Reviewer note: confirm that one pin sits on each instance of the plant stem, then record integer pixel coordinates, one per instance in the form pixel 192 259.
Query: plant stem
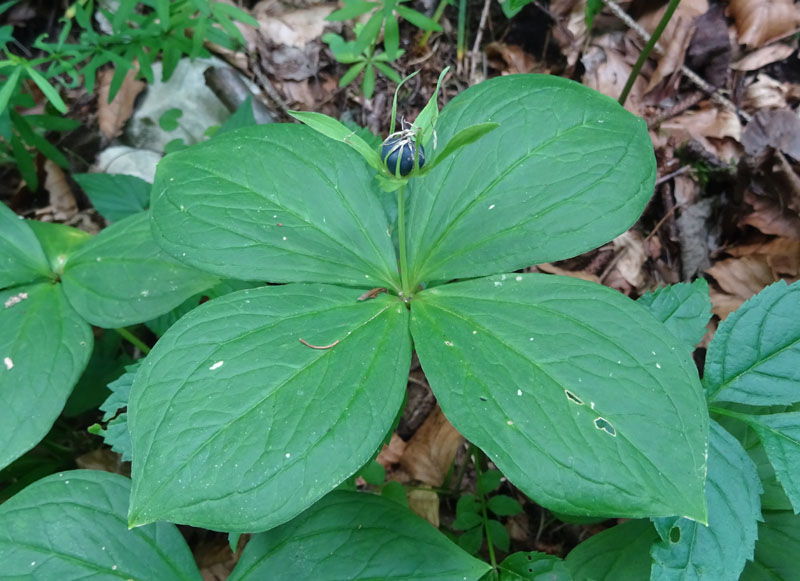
pixel 436 16
pixel 401 241
pixel 133 340
pixel 482 498
pixel 673 4
pixel 461 39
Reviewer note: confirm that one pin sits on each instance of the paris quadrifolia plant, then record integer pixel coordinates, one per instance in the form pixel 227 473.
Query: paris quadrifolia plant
pixel 255 407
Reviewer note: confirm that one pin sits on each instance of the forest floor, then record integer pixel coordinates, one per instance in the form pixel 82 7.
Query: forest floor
pixel 726 205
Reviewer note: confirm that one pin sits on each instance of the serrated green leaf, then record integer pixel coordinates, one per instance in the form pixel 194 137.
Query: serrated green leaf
pixel 115 196
pixel 467 503
pixel 754 357
pixel 780 435
pixel 534 566
pixel 72 525
pixel 684 309
pixel 529 191
pixel 44 346
pixel 573 390
pixel 120 392
pixel 777 556
pixel 621 552
pixel 499 534
pixel 304 209
pixel 122 277
pixel 503 505
pixel 488 481
pixel 471 540
pixel 349 535
pixel 116 435
pixel 466 521
pixel 281 428
pixel 689 550
pixel 59 242
pixel 21 256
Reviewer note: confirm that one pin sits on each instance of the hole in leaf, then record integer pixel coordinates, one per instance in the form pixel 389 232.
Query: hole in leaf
pixel 605 425
pixel 572 397
pixel 674 534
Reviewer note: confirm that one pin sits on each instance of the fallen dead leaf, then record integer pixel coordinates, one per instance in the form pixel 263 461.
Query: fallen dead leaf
pixel 782 255
pixel 765 93
pixel 509 59
pixel 608 63
pixel 739 279
pixel 771 215
pixel 778 129
pixel 630 247
pixel 709 53
pixel 709 125
pixel 425 503
pixel 431 451
pixel 763 56
pixel 391 453
pixel 113 116
pixel 62 200
pixel 758 22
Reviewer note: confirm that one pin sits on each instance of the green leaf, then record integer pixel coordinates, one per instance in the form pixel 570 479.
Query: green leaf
pixel 503 505
pixel 466 521
pixel 395 492
pixel 373 473
pixel 21 256
pixel 116 436
pixel 352 9
pixel 115 196
pixel 754 357
pixel 289 425
pixel 684 309
pixel 529 191
pixel 25 163
pixel 350 535
pixel 780 435
pixel 346 79
pixel 462 139
pixel 499 535
pixel 59 242
pixel 52 123
pixel 593 8
pixel 621 552
pixel 242 117
pixel 489 481
pixel 368 84
pixel 234 13
pixel 46 88
pixel 300 208
pixel 340 132
pixel 8 87
pixel 426 120
pixel 777 556
pixel 468 503
pixel 72 525
pixel 44 346
pixel 417 19
pixel 122 277
pixel 391 38
pixel 471 540
pixel 169 119
pixel 533 566
pixel 573 390
pixel 689 550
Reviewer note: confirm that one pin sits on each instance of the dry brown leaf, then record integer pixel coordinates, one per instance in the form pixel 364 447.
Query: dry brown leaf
pixel 431 451
pixel 390 454
pixel 765 93
pixel 710 126
pixel 763 56
pixel 629 246
pixel 773 129
pixel 113 116
pixel 62 200
pixel 739 279
pixel 608 63
pixel 425 503
pixel 771 215
pixel 675 38
pixel 759 22
pixel 297 28
pixel 510 59
pixel 782 255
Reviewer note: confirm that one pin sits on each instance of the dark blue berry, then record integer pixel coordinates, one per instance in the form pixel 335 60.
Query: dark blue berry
pixel 404 152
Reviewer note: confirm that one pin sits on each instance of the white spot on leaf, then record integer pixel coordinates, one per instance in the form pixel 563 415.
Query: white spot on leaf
pixel 519 392
pixel 448 343
pixel 18 298
pixel 491 207
pixel 8 362
pixel 217 365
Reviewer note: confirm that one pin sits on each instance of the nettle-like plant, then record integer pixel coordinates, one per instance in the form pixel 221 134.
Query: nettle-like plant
pixel 257 404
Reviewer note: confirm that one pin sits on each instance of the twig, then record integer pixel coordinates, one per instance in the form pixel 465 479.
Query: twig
pixel 263 80
pixel 307 344
pixel 687 72
pixel 478 38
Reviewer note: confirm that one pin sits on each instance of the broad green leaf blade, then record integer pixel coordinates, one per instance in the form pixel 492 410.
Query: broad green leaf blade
pixel 574 391
pixel 690 550
pixel 684 308
pixel 350 535
pixel 780 435
pixel 21 256
pixel 277 202
pixel 330 127
pixel 533 566
pixel 122 276
pixel 754 357
pixel 237 425
pixel 59 242
pixel 72 526
pixel 115 196
pixel 44 346
pixel 777 555
pixel 567 170
pixel 621 552
pixel 465 137
pixel 47 89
